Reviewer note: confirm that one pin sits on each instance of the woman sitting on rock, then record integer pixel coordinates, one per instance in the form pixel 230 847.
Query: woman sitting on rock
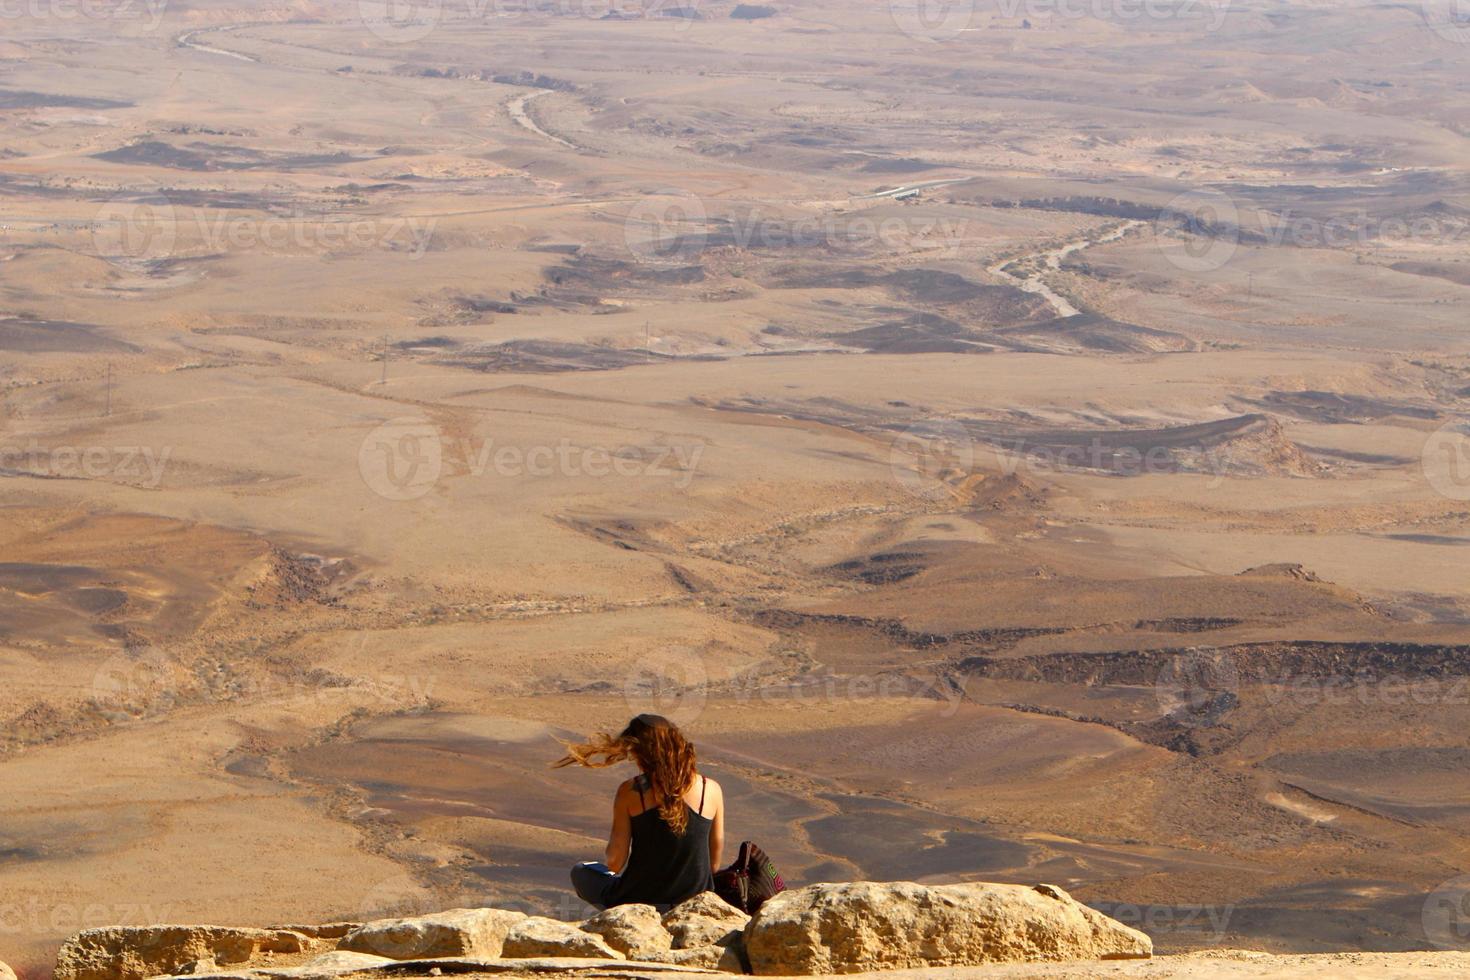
pixel 668 825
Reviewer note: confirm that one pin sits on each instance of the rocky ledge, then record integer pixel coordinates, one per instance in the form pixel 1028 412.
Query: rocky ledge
pixel 823 929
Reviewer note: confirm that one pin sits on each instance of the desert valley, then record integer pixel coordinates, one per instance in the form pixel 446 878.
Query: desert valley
pixel 1022 443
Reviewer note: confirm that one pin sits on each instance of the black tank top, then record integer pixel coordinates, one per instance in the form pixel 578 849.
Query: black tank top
pixel 665 868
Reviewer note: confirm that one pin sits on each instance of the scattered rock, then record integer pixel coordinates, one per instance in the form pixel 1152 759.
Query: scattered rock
pixel 1283 570
pixel 206 965
pixel 633 930
pixel 849 928
pixel 135 952
pixel 705 920
pixel 477 933
pixel 6 973
pixel 535 936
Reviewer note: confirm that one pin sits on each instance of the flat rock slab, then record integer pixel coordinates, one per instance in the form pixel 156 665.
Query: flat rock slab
pixel 547 964
pixel 478 933
pixel 460 966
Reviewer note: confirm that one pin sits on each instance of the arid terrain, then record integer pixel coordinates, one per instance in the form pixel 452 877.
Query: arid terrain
pixel 1021 442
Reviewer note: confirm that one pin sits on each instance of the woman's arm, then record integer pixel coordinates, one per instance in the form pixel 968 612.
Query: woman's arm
pixel 620 841
pixel 717 828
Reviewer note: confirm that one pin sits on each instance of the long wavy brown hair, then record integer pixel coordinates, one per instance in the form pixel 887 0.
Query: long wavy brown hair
pixel 661 751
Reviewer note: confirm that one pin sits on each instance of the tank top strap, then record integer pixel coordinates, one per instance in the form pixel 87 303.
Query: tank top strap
pixel 703 786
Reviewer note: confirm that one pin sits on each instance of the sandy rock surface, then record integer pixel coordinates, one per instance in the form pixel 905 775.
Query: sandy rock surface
pixel 850 928
pixel 705 920
pixel 134 952
pixel 726 959
pixel 535 936
pixel 478 933
pixel 636 931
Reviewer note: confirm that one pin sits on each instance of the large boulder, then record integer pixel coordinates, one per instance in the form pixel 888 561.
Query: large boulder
pixel 864 926
pixel 704 920
pixel 636 931
pixel 473 933
pixel 534 936
pixel 6 973
pixel 134 952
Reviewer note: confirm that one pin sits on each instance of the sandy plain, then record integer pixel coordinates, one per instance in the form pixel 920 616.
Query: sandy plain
pixel 384 397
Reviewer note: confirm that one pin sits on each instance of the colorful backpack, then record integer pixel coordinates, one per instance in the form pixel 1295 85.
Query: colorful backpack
pixel 750 881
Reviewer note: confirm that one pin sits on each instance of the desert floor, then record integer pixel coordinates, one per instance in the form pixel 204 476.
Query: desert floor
pixel 1025 448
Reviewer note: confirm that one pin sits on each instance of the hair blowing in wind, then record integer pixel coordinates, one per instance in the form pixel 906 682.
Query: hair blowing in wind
pixel 661 752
